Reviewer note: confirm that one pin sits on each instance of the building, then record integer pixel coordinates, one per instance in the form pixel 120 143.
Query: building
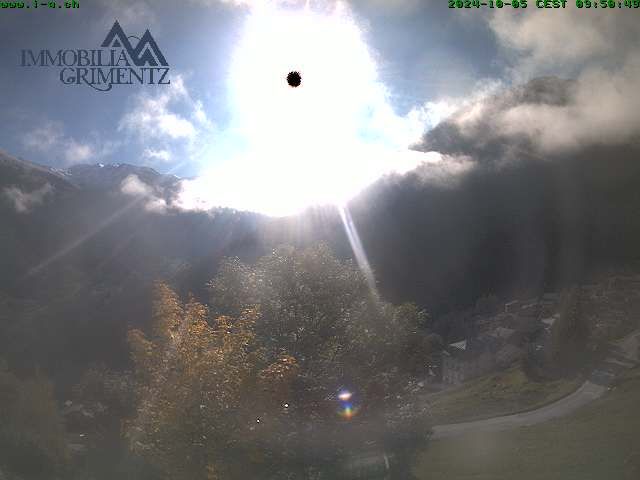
pixel 549 304
pixel 549 321
pixel 467 359
pixel 503 335
pixel 497 341
pixel 464 360
pixel 508 355
pixel 527 327
pixel 512 306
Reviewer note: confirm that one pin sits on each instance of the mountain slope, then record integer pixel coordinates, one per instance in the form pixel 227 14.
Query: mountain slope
pixel 513 222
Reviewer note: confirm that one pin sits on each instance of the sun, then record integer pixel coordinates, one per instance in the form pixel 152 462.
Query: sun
pixel 315 121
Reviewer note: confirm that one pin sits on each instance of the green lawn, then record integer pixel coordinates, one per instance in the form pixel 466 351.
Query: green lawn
pixel 601 441
pixel 500 393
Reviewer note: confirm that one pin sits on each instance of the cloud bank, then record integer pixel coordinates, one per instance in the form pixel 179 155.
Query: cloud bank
pixel 599 51
pixel 598 104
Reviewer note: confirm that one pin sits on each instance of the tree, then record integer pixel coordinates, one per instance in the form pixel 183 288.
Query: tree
pixel 321 311
pixel 113 390
pixel 193 378
pixel 487 305
pixel 570 332
pixel 32 436
pixel 246 387
pixel 304 298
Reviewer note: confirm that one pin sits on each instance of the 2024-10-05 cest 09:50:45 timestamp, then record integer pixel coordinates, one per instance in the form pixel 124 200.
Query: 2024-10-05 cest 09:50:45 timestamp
pixel 544 3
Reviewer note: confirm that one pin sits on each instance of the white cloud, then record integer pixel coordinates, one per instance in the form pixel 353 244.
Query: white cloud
pixel 599 106
pixel 253 3
pixel 434 112
pixel 561 41
pixel 445 169
pixel 50 138
pixel 156 205
pixel 172 121
pixel 135 17
pixel 152 117
pixel 199 115
pixel 599 51
pixel 133 186
pixel 23 201
pixel 397 6
pixel 388 6
pixel 604 109
pixel 78 152
pixel 44 137
pixel 161 155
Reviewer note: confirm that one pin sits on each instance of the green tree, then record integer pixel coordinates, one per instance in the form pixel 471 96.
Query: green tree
pixel 233 390
pixel 320 310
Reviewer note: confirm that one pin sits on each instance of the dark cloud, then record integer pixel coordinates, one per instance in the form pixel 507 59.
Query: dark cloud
pixel 525 215
pixel 475 130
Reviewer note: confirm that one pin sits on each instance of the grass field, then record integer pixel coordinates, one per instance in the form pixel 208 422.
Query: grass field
pixel 600 441
pixel 500 393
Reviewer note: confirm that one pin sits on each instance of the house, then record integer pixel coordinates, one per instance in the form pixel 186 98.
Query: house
pixel 527 327
pixel 592 290
pixel 504 335
pixel 509 354
pixel 549 303
pixel 624 282
pixel 540 350
pixel 512 306
pixel 497 341
pixel 530 309
pixel 464 360
pixel 549 321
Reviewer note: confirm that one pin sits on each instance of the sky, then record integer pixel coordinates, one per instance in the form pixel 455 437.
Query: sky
pixel 376 75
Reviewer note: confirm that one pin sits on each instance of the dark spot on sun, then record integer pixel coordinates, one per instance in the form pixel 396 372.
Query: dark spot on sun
pixel 294 79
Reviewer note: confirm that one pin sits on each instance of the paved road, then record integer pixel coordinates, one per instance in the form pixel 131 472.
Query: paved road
pixel 584 395
pixel 625 352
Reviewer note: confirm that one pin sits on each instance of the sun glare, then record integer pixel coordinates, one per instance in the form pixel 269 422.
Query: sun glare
pixel 318 143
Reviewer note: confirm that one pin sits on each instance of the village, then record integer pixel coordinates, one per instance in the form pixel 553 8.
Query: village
pixel 524 331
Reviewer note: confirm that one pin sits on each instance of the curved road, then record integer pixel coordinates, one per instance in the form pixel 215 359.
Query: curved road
pixel 582 396
pixel 624 353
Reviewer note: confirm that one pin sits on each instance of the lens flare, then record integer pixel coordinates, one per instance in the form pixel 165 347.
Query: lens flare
pixel 345 395
pixel 348 411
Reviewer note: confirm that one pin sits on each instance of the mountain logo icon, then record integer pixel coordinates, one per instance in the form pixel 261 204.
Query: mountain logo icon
pixel 145 52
